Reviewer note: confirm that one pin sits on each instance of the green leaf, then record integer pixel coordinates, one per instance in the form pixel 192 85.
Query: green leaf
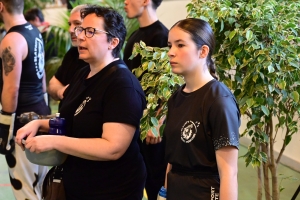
pixel 154 131
pixel 288 139
pixel 250 102
pixel 151 65
pixel 249 35
pixel 232 61
pixel 265 110
pixel 295 96
pixel 271 69
pixel 232 34
pixel 142 44
pixel 222 26
pixel 281 84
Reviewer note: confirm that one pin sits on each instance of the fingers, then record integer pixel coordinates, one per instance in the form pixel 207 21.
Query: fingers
pixel 151 139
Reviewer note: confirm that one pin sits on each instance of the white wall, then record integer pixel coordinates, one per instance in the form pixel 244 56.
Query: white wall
pixel 169 13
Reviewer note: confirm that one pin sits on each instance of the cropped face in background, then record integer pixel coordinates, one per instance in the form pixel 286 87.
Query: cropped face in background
pixel 134 8
pixel 183 54
pixel 74 20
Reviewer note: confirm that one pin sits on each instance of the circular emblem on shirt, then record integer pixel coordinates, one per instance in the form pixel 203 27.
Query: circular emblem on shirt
pixel 39 61
pixel 188 131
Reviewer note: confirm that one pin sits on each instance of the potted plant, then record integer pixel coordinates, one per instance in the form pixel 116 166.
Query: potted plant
pixel 257 57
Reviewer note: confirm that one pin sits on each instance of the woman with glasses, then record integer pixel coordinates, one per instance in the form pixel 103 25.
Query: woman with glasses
pixel 102 107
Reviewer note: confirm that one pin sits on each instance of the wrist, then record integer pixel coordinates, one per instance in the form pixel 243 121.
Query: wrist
pixel 6 113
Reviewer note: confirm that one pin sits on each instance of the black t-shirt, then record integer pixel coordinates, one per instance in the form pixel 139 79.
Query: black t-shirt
pixel 198 124
pixel 88 104
pixel 69 66
pixel 154 35
pixel 31 80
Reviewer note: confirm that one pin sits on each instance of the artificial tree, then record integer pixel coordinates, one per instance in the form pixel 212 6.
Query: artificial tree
pixel 158 82
pixel 257 57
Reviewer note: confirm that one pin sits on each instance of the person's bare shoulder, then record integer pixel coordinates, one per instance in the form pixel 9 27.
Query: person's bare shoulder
pixel 14 43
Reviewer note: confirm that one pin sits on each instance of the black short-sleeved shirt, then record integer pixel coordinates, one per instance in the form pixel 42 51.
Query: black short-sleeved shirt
pixel 69 66
pixel 154 35
pixel 88 104
pixel 198 124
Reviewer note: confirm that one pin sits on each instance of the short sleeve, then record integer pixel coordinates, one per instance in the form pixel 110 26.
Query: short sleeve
pixel 124 104
pixel 224 122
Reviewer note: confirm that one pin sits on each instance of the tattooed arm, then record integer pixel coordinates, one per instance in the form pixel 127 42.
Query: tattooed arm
pixel 13 49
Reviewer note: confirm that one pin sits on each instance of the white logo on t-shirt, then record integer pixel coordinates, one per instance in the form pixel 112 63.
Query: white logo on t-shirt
pixel 29 27
pixel 213 194
pixel 39 61
pixel 80 108
pixel 189 130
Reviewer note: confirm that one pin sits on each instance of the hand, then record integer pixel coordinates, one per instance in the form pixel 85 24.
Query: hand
pixel 40 143
pixel 29 130
pixel 151 138
pixel 7 144
pixel 60 92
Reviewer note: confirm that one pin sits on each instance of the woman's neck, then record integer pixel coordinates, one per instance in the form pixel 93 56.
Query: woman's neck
pixel 194 81
pixel 98 66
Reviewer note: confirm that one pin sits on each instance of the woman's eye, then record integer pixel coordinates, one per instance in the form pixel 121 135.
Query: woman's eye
pixel 180 45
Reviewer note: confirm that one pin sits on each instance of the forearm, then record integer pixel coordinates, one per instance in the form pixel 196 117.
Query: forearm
pixel 169 167
pixel 9 100
pixel 97 149
pixel 229 188
pixel 53 91
pixel 44 83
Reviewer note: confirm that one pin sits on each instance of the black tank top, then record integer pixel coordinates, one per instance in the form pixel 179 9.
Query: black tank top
pixel 31 81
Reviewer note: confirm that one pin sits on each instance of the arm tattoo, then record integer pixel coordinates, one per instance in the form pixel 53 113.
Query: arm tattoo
pixel 8 60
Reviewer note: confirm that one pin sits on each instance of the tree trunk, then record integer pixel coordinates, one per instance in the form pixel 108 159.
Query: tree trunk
pixel 259 184
pixel 264 149
pixel 273 166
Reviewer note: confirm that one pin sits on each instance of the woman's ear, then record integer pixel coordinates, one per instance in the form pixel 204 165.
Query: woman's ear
pixel 114 42
pixel 1 6
pixel 146 2
pixel 204 51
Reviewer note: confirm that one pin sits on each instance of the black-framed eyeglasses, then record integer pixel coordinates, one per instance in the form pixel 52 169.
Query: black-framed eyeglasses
pixel 88 31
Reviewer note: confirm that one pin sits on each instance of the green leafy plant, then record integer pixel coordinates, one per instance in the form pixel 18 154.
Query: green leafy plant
pixel 28 4
pixel 159 83
pixel 257 56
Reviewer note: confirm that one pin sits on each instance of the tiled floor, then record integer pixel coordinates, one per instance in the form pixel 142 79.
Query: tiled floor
pixel 290 180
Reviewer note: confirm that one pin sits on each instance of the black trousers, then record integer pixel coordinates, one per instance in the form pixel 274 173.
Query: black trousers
pixel 153 155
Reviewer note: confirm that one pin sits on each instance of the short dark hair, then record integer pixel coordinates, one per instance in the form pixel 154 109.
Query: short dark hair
pixel 156 3
pixel 113 24
pixel 202 34
pixel 13 6
pixel 31 14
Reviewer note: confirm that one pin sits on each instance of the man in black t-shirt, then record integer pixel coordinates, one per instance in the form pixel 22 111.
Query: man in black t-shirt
pixel 155 34
pixel 22 85
pixel 71 62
